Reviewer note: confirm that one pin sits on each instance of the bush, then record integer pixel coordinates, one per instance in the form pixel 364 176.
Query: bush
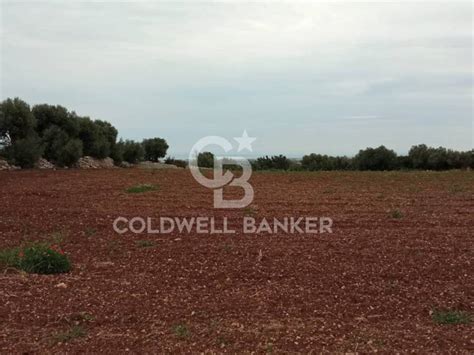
pixel 155 148
pixel 205 160
pixel 141 188
pixel 451 317
pixel 178 162
pixel 26 152
pixel 38 258
pixel 132 151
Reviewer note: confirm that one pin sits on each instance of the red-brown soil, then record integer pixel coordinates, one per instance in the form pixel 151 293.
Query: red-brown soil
pixel 369 286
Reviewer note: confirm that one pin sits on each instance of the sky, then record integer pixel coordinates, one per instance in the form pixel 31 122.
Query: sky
pixel 302 77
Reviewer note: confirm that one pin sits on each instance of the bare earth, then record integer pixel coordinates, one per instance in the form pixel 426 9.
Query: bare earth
pixel 369 286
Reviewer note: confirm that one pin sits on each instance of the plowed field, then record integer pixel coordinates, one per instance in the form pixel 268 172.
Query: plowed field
pixel 401 249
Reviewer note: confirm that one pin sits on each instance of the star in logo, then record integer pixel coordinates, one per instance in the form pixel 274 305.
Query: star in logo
pixel 245 142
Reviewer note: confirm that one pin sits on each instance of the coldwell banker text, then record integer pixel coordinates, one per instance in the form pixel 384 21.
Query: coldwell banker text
pixel 209 225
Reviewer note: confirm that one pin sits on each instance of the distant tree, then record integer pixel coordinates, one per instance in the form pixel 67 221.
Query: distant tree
pixel 467 159
pixel 132 151
pixel 205 160
pixel 403 162
pixel 438 159
pixel 379 158
pixel 342 163
pixel 418 156
pixel 178 162
pixel 314 162
pixel 280 162
pixel 276 162
pixel 155 148
pixel 263 163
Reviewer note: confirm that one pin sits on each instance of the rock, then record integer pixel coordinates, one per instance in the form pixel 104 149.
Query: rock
pixel 5 166
pixel 88 162
pixel 44 164
pixel 125 164
pixel 104 264
pixel 61 285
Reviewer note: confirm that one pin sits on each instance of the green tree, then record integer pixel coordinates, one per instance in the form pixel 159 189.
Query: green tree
pixel 25 152
pixel 50 115
pixel 205 160
pixel 116 152
pixel 438 159
pixel 379 158
pixel 155 148
pixel 280 162
pixel 132 151
pixel 16 121
pixel 418 156
pixel 263 163
pixel 97 137
pixel 69 153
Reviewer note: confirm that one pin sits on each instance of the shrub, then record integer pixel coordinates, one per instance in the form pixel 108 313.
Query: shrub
pixel 25 152
pixel 155 148
pixel 451 317
pixel 141 188
pixel 76 331
pixel 205 160
pixel 181 331
pixel 178 162
pixel 38 258
pixel 396 214
pixel 145 243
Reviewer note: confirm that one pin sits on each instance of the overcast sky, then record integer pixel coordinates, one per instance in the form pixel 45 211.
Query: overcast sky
pixel 301 77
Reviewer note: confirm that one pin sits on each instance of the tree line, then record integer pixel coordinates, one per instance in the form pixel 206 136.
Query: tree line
pixel 62 137
pixel 420 157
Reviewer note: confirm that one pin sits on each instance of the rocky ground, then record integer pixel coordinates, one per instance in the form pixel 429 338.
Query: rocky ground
pixel 401 249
